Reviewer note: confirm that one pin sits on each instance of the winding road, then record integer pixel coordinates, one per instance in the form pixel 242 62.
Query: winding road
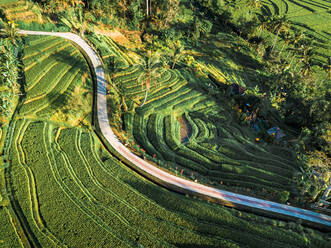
pixel 167 179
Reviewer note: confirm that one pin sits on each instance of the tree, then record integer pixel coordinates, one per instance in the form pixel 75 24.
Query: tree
pixel 75 19
pixel 265 22
pixel 150 66
pixel 179 54
pixel 277 26
pixel 10 31
pixel 148 8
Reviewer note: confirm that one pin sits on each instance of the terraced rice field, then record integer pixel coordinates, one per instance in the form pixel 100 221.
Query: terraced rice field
pixel 67 191
pixel 64 189
pixel 19 10
pixel 311 17
pixel 53 69
pixel 215 148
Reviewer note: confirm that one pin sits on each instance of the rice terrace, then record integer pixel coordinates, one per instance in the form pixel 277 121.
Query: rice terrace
pixel 174 123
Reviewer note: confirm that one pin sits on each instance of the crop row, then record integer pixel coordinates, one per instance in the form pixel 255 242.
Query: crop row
pixel 38 57
pixel 39 70
pixel 55 99
pixel 234 158
pixel 233 161
pixel 109 50
pixel 49 81
pixel 86 197
pixel 32 40
pixel 42 47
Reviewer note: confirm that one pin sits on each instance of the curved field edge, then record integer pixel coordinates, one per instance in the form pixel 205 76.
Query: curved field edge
pixel 154 127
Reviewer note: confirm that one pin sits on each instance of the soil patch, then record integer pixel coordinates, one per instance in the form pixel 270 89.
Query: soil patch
pixel 185 129
pixel 128 39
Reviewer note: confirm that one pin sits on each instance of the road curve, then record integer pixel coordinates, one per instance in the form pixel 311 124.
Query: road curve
pixel 169 179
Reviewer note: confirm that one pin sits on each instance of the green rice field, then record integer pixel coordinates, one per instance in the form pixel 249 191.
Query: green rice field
pixel 62 187
pixel 54 69
pixel 215 148
pixel 66 190
pixel 310 17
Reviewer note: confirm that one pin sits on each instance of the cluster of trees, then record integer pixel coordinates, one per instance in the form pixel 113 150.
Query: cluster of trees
pixel 9 68
pixel 138 14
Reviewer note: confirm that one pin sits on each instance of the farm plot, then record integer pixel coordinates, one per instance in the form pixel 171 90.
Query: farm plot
pixel 310 17
pixel 54 68
pixel 217 151
pixel 68 191
pixel 20 10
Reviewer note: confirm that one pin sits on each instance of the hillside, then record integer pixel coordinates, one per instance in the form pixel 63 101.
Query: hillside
pixel 192 87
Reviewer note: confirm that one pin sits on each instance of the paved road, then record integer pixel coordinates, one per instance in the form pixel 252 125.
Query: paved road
pixel 233 198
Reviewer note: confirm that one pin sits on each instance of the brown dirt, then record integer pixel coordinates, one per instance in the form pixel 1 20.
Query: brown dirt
pixel 125 38
pixel 185 129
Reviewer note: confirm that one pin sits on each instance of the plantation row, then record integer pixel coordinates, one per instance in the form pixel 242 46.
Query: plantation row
pixel 70 192
pixel 53 69
pixel 216 149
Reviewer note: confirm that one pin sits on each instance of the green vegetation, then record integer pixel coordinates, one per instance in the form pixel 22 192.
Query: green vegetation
pixel 282 61
pixel 57 81
pixel 63 188
pixel 170 65
pixel 70 191
pixel 218 151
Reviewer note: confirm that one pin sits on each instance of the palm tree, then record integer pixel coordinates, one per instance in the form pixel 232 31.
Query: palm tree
pixel 265 22
pixel 10 31
pixel 287 38
pixel 75 20
pixel 179 54
pixel 279 25
pixel 150 67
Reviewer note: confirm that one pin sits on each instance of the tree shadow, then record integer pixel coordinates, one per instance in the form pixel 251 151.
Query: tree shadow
pixel 66 58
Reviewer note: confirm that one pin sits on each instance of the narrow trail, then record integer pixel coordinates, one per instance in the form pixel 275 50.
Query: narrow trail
pixel 166 179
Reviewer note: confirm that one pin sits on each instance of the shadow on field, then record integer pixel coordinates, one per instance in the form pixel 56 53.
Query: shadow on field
pixel 193 210
pixel 57 101
pixel 75 61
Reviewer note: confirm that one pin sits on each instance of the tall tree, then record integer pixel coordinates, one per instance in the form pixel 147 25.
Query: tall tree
pixel 279 25
pixel 148 8
pixel 150 74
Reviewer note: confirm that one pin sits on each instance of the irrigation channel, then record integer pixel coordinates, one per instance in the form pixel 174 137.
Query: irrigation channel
pixel 168 180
